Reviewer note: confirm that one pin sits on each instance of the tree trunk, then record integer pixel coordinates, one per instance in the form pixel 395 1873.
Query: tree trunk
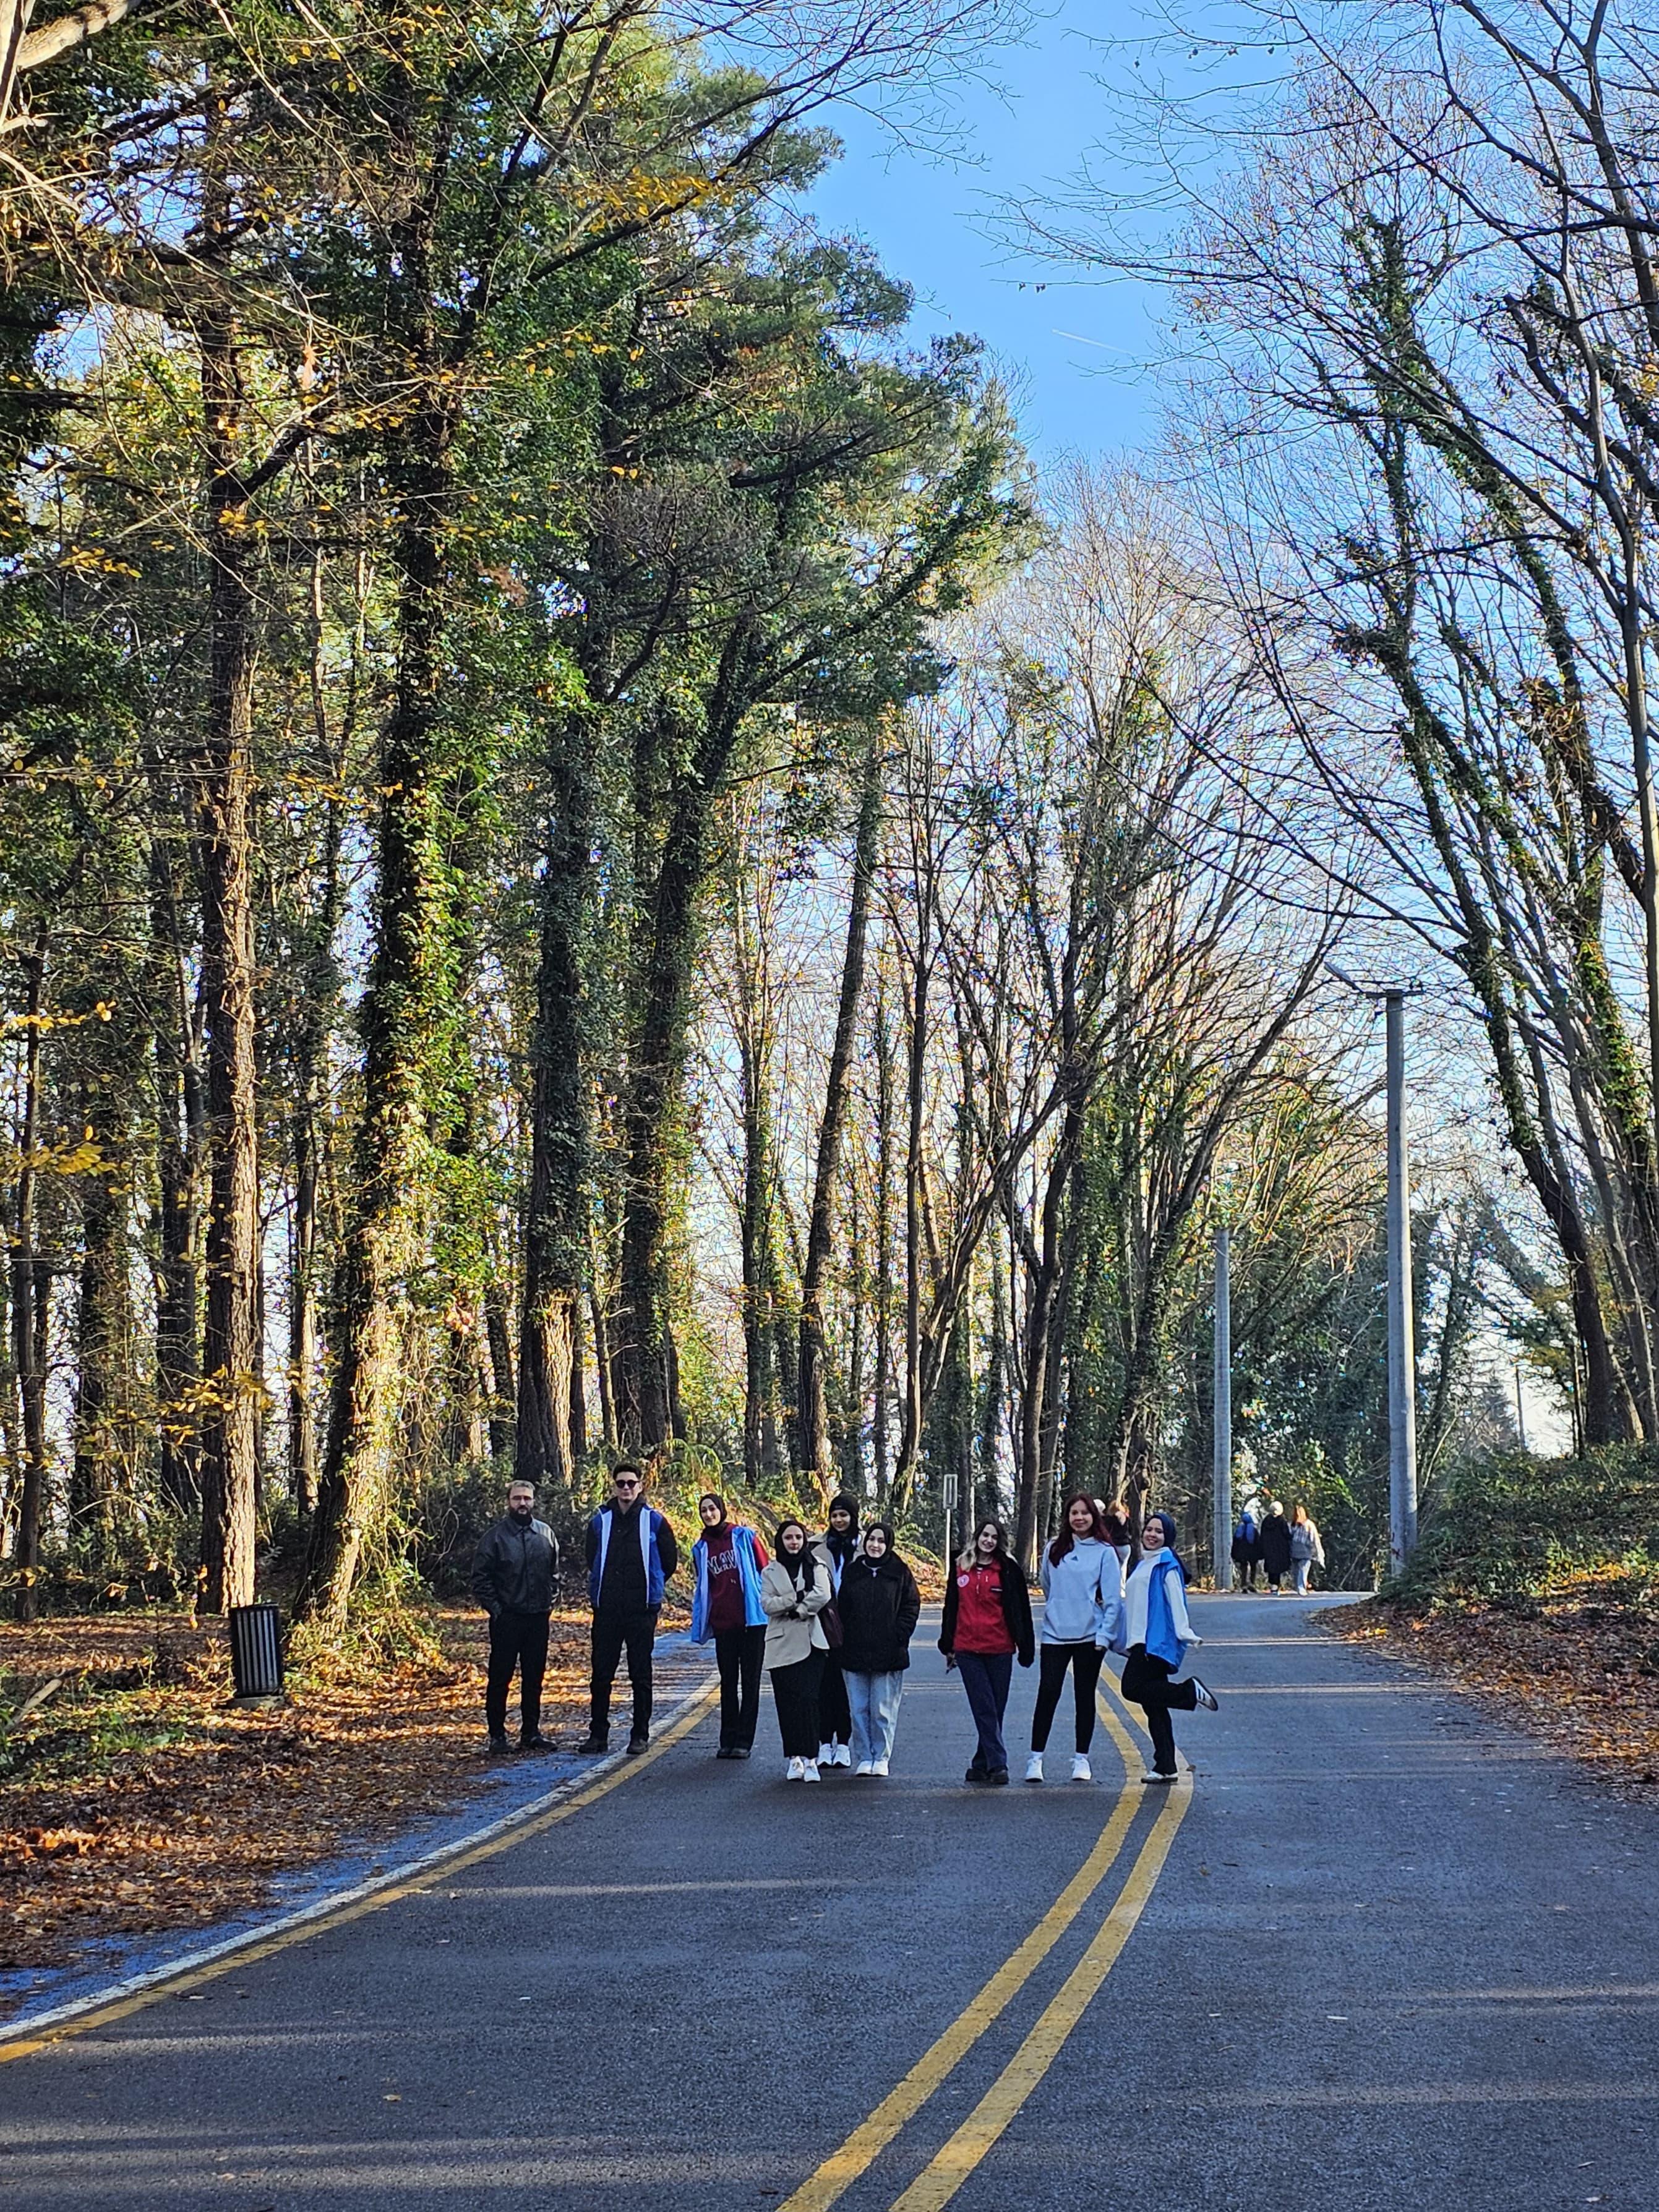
pixel 30 1293
pixel 812 1400
pixel 105 1470
pixel 502 1390
pixel 181 1144
pixel 230 1350
pixel 882 1397
pixel 408 1017
pixel 556 1220
pixel 916 1076
pixel 647 1409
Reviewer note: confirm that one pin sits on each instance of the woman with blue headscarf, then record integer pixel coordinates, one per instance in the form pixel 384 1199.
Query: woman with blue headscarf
pixel 1156 1635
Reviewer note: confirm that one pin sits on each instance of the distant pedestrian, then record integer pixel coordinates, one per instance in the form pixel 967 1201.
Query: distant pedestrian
pixel 1156 1635
pixel 514 1568
pixel 1083 1593
pixel 1247 1549
pixel 987 1625
pixel 1307 1548
pixel 794 1590
pixel 1275 1547
pixel 1114 1526
pixel 728 1560
pixel 879 1606
pixel 631 1553
pixel 838 1547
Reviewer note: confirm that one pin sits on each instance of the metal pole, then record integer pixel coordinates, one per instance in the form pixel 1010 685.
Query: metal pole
pixel 1221 1536
pixel 1402 1361
pixel 1520 1412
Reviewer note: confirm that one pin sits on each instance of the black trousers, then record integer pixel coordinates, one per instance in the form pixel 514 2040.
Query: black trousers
pixel 1146 1682
pixel 1085 1661
pixel 516 1639
pixel 834 1713
pixel 795 1689
pixel 612 1632
pixel 740 1654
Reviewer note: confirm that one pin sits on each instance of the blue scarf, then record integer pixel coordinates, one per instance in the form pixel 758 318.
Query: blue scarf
pixel 1161 1640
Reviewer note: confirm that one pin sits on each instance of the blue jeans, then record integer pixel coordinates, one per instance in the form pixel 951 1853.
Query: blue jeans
pixel 986 1676
pixel 874 1700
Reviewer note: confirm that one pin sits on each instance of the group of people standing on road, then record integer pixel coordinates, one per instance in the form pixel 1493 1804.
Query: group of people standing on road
pixel 830 1617
pixel 1278 1547
pixel 1090 1607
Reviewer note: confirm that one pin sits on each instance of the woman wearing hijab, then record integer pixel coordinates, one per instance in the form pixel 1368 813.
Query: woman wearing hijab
pixel 1083 1594
pixel 837 1548
pixel 1156 1635
pixel 795 1588
pixel 987 1623
pixel 728 1561
pixel 880 1605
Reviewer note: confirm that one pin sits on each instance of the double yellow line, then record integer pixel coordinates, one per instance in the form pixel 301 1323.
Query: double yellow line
pixel 945 2173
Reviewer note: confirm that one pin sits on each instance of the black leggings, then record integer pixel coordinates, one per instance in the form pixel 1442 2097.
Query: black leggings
pixel 1146 1682
pixel 1085 1661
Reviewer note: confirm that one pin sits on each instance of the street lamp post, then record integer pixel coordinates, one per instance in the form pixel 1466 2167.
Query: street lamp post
pixel 1402 1361
pixel 1222 1529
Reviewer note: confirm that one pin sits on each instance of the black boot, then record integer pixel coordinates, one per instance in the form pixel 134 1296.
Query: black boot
pixel 595 1741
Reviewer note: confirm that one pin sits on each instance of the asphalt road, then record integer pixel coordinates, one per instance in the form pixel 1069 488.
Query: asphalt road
pixel 1392 1957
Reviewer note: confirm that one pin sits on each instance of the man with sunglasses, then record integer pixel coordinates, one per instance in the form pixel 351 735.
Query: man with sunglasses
pixel 631 1552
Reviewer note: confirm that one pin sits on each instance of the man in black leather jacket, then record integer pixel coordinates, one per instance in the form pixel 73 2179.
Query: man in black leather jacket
pixel 514 1571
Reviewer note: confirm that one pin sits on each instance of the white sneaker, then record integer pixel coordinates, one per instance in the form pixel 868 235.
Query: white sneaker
pixel 865 1766
pixel 1033 1767
pixel 879 1768
pixel 809 1771
pixel 827 1754
pixel 794 1770
pixel 1081 1770
pixel 842 1755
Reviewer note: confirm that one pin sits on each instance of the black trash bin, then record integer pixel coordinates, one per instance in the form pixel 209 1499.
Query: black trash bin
pixel 256 1650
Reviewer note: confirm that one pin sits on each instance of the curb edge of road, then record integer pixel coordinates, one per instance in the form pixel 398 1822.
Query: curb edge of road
pixel 611 1767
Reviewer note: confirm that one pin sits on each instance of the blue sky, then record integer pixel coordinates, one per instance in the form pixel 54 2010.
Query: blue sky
pixel 1026 131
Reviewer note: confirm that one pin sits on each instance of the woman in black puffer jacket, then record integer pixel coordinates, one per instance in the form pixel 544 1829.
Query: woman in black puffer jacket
pixel 878 1605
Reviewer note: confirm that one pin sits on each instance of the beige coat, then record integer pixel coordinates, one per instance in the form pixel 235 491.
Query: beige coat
pixel 792 1627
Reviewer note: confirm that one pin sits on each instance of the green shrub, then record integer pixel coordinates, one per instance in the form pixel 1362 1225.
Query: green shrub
pixel 1507 1527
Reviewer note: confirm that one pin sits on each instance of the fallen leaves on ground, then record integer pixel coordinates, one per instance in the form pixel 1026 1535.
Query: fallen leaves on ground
pixel 1577 1667
pixel 137 1800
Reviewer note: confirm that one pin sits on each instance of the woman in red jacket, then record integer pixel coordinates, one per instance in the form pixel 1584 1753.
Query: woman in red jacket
pixel 987 1625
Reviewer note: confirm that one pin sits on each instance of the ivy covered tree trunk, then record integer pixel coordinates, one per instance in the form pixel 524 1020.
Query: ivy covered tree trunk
pixel 813 1398
pixel 30 1294
pixel 103 1477
pixel 642 1347
pixel 408 1017
pixel 546 1449
pixel 229 1446
pixel 181 1144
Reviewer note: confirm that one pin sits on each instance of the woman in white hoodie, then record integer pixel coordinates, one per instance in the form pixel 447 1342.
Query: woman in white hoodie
pixel 1157 1634
pixel 1082 1595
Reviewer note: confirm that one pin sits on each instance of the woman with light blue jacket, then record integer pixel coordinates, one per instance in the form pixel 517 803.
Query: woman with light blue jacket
pixel 1082 1596
pixel 1157 1634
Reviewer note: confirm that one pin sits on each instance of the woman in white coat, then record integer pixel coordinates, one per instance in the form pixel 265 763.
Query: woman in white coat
pixel 795 1588
pixel 1307 1548
pixel 1156 1635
